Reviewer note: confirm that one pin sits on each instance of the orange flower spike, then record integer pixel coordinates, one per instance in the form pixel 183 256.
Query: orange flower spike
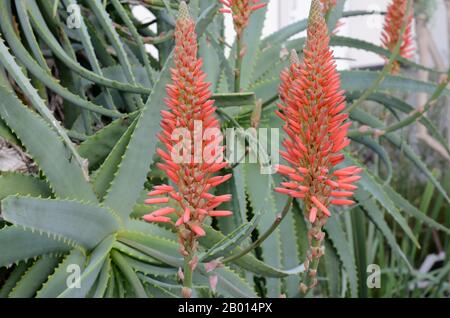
pixel 189 104
pixel 241 11
pixel 312 104
pixel 311 107
pixel 393 22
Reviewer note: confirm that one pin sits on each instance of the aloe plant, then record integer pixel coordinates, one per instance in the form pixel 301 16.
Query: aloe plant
pixel 85 104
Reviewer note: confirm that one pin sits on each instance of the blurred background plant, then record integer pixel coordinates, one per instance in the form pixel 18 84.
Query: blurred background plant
pixel 80 101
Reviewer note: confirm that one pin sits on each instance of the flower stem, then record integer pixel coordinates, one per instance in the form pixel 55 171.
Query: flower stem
pixel 238 65
pixel 187 271
pixel 315 236
pixel 263 237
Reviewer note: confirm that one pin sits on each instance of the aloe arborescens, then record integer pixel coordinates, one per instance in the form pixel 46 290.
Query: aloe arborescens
pixel 312 108
pixel 392 28
pixel 241 11
pixel 63 223
pixel 191 112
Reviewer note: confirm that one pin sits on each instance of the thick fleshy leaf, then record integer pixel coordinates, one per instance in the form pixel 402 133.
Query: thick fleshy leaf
pixel 84 224
pixel 92 270
pixel 23 245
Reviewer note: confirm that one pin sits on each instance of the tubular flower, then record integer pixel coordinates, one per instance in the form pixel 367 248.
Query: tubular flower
pixel 191 113
pixel 241 11
pixel 311 107
pixel 390 36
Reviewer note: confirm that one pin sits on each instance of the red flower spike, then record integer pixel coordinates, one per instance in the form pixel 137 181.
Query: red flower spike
pixel 241 11
pixel 188 102
pixel 393 22
pixel 312 105
pixel 317 133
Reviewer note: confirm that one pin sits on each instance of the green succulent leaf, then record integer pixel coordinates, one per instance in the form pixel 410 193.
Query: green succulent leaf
pixel 13 278
pixel 98 146
pixel 377 217
pixel 23 184
pixel 91 271
pixel 56 283
pixel 376 189
pixel 34 277
pixel 103 177
pixel 84 224
pixel 337 237
pixel 101 284
pixel 63 173
pixel 370 120
pixel 25 244
pixel 7 134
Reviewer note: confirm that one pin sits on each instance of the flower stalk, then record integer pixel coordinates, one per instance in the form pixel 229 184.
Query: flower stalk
pixel 312 105
pixel 279 218
pixel 187 275
pixel 238 65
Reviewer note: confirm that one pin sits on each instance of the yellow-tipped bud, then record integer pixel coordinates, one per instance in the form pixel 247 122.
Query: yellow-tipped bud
pixel 316 11
pixel 183 12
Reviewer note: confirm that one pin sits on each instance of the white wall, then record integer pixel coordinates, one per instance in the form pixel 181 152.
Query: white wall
pixel 368 28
